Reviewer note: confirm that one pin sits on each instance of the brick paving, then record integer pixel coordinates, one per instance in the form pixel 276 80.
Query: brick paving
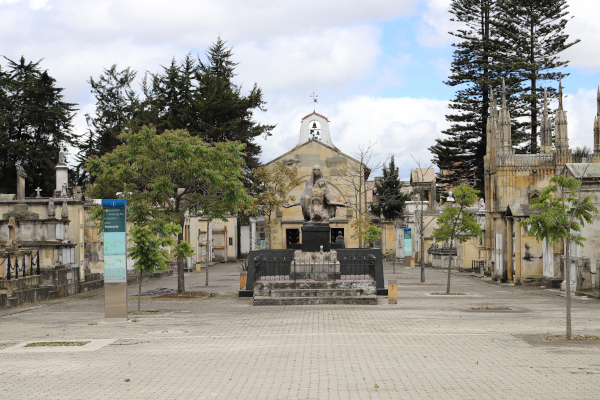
pixel 425 347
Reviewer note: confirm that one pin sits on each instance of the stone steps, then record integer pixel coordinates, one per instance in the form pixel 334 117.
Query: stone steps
pixel 315 292
pixel 303 301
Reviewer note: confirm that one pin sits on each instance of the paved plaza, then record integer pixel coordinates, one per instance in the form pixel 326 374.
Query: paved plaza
pixel 427 346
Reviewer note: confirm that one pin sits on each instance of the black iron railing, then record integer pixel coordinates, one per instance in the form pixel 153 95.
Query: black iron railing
pixel 477 265
pixel 20 268
pixel 286 268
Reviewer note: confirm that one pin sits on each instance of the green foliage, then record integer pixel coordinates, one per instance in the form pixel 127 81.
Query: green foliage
pixel 116 103
pixel 456 221
pixel 359 226
pixel 35 123
pixel 562 212
pixel 201 97
pixel 391 200
pixel 372 234
pixel 151 243
pixel 167 174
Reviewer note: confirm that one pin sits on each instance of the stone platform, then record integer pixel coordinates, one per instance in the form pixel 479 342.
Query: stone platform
pixel 315 292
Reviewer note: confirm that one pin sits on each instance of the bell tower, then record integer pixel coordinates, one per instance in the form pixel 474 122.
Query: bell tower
pixel 315 127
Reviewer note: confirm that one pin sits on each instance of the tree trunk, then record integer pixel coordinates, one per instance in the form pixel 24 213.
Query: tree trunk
pixel 180 272
pixel 207 251
pixel 269 230
pixel 140 290
pixel 449 265
pixel 422 233
pixel 360 240
pixel 568 281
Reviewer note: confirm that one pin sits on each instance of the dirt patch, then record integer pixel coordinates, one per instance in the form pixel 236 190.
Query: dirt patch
pixel 149 312
pixel 422 284
pixel 44 344
pixel 187 295
pixel 561 340
pixel 448 294
pixel 486 308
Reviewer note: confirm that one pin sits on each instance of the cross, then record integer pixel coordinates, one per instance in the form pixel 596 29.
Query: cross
pixel 38 190
pixel 314 97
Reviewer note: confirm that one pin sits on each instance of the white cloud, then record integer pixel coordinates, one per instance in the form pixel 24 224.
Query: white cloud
pixel 435 24
pixel 584 26
pixel 581 110
pixel 326 59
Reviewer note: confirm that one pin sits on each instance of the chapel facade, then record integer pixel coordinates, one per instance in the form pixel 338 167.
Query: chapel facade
pixel 512 180
pixel 316 147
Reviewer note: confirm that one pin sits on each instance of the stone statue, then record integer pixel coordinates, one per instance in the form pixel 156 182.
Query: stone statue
pixel 51 209
pixel 21 176
pixel 21 172
pixel 62 157
pixel 64 190
pixel 318 203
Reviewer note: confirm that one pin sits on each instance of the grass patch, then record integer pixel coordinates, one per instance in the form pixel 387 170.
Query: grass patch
pixel 45 344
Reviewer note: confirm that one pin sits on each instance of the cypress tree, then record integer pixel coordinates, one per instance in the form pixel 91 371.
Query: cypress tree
pixel 534 33
pixel 35 123
pixel 116 104
pixel 391 200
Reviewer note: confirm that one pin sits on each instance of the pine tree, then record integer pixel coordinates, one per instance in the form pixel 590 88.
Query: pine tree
pixel 116 104
pixel 479 64
pixel 534 32
pixel 389 193
pixel 35 123
pixel 226 113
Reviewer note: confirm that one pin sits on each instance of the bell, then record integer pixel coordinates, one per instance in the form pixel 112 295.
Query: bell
pixel 314 125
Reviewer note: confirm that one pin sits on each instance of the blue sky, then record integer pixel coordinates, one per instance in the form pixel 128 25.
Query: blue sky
pixel 378 66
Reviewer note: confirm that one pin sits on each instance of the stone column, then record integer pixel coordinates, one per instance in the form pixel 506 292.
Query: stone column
pixel 518 278
pixel 20 187
pixel 509 249
pixel 62 175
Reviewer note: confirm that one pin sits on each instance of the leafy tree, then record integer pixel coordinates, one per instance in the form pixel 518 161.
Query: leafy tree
pixel 35 123
pixel 150 249
pixel 372 234
pixel 389 193
pixel 535 34
pixel 456 221
pixel 170 173
pixel 116 103
pixel 271 187
pixel 562 214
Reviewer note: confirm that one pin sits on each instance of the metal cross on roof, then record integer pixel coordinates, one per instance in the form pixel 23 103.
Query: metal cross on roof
pixel 314 97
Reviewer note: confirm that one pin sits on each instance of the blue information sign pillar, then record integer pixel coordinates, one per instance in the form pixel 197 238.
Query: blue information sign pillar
pixel 115 260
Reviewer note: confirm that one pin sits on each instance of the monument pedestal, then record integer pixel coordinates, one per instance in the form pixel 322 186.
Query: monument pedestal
pixel 314 236
pixel 315 266
pixel 62 175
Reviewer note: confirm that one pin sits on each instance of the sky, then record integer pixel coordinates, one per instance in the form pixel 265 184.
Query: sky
pixel 377 66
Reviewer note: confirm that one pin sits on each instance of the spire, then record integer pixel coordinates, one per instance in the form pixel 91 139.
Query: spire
pixel 545 103
pixel 598 102
pixel 546 132
pixel 560 94
pixel 503 95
